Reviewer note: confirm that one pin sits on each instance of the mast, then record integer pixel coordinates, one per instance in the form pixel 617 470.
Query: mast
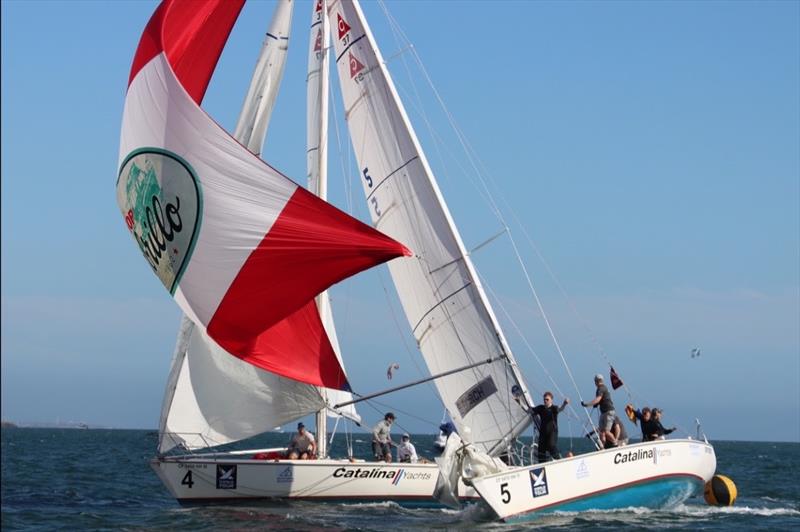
pixel 317 163
pixel 441 293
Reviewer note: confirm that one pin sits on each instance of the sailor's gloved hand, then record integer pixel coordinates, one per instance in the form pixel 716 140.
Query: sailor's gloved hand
pixel 583 404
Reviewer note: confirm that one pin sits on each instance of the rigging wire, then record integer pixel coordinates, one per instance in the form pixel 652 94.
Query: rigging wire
pixel 402 336
pixel 480 171
pixel 475 161
pixel 529 346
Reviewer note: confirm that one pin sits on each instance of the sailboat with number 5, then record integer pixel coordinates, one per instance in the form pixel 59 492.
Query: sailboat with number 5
pixel 248 255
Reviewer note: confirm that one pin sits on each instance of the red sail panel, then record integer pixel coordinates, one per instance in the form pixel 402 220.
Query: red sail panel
pixel 248 248
pixel 192 34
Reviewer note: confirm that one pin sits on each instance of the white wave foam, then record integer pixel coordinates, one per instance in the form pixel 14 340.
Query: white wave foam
pixel 735 510
pixel 382 504
pixel 690 510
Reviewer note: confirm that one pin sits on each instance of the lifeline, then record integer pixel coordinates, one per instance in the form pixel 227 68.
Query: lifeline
pixel 632 456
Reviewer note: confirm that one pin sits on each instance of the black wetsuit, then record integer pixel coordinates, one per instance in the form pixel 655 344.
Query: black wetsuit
pixel 656 430
pixel 548 431
pixel 648 428
pixel 652 428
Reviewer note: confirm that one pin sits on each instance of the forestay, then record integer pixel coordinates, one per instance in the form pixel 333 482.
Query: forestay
pixel 439 290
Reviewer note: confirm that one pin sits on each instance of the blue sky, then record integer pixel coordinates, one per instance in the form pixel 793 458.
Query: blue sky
pixel 652 151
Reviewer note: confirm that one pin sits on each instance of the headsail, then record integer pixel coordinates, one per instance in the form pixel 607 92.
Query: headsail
pixel 219 399
pixel 236 242
pixel 440 292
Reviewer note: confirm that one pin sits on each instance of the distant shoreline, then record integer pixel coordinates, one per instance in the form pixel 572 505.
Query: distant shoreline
pixel 79 426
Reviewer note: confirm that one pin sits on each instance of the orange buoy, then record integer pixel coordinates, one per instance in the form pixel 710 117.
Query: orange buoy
pixel 720 491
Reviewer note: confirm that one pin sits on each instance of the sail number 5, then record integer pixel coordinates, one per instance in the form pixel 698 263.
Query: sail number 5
pixel 504 493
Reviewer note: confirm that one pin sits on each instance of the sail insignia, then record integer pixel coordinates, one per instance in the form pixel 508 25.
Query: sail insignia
pixel 475 395
pixel 162 213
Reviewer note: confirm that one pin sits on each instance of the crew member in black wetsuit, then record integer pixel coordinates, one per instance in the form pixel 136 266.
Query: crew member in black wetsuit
pixel 646 419
pixel 656 430
pixel 548 427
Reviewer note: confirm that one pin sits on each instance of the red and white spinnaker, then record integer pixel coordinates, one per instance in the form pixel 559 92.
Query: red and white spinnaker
pixel 242 248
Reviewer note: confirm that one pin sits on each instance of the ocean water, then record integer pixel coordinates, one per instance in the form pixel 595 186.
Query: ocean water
pixel 74 479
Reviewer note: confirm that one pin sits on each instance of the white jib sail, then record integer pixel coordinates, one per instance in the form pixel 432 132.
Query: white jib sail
pixel 212 397
pixel 218 398
pixel 440 292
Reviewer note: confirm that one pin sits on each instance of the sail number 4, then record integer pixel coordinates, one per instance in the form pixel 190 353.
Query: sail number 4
pixel 187 480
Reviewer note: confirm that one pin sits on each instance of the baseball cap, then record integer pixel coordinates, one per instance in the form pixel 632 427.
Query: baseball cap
pixel 389 415
pixel 301 426
pixel 598 377
pixel 406 436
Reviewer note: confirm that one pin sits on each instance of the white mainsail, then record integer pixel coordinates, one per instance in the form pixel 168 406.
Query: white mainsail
pixel 317 101
pixel 251 129
pixel 440 292
pixel 212 397
pixel 317 166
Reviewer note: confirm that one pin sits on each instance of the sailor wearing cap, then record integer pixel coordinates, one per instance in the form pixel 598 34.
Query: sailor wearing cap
pixel 302 444
pixel 406 451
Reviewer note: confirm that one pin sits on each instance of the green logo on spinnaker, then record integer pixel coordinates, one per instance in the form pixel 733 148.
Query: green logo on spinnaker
pixel 160 198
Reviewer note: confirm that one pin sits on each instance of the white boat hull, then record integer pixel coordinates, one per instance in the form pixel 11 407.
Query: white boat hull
pixel 653 474
pixel 193 479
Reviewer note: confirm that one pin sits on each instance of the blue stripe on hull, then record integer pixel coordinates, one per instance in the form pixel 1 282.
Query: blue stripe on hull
pixel 655 494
